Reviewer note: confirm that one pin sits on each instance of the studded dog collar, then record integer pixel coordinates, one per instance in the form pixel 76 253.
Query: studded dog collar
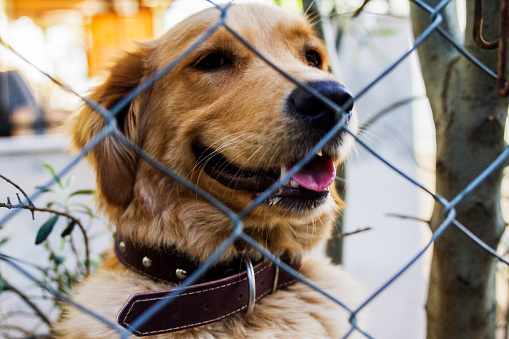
pixel 221 292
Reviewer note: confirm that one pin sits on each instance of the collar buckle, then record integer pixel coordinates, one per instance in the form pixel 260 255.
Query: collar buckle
pixel 252 284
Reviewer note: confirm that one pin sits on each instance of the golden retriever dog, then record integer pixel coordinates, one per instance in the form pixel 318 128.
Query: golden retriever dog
pixel 232 125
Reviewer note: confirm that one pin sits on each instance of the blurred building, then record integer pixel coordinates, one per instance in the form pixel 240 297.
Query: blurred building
pixel 74 41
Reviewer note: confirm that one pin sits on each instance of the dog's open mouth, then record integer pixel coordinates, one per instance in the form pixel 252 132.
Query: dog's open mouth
pixel 306 189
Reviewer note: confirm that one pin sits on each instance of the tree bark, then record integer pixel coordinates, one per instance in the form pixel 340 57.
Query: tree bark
pixel 469 121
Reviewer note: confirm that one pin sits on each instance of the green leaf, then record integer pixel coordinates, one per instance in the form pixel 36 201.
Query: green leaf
pixel 54 174
pixel 70 180
pixel 42 189
pixel 82 192
pixel 46 229
pixel 3 241
pixel 1 286
pixel 384 32
pixel 87 210
pixel 58 259
pixel 68 229
pixel 54 204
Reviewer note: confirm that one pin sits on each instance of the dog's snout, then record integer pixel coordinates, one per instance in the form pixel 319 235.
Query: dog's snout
pixel 306 106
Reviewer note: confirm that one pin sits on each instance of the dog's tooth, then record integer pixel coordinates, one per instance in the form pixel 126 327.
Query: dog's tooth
pixel 274 200
pixel 283 173
pixel 319 153
pixel 294 183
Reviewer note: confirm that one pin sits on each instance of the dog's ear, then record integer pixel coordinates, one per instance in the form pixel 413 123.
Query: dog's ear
pixel 114 163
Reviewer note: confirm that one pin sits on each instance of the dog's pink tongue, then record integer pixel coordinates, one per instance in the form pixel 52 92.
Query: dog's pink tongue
pixel 317 175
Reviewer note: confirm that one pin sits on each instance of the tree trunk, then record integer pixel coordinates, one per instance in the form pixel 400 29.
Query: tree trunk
pixel 469 121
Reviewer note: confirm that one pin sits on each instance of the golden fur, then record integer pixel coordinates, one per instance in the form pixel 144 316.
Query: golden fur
pixel 239 113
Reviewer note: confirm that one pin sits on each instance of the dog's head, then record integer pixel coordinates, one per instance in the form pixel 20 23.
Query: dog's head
pixel 228 122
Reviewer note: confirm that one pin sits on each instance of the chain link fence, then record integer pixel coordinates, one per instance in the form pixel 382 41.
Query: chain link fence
pixel 237 232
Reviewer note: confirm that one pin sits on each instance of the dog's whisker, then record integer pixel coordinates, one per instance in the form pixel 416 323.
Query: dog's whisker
pixel 227 145
pixel 223 147
pixel 242 166
pixel 309 7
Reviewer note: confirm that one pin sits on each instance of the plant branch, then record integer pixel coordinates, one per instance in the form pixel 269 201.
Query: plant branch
pixel 342 235
pixel 33 209
pixel 26 299
pixel 16 328
pixel 408 217
pixel 75 251
pixel 359 10
pixel 368 123
pixel 87 250
pixel 22 192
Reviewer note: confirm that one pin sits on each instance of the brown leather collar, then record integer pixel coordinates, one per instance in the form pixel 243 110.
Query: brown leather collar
pixel 223 291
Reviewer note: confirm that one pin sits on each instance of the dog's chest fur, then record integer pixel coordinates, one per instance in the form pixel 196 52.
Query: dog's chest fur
pixel 287 313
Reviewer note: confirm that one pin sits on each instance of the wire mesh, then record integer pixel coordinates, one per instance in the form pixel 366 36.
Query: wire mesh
pixel 237 232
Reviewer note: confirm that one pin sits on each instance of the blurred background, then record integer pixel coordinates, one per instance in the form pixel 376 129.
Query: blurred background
pixel 75 40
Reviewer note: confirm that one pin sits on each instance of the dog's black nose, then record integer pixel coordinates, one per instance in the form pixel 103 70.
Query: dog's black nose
pixel 305 106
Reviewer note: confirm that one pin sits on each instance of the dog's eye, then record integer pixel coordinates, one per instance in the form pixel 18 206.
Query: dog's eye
pixel 313 59
pixel 213 61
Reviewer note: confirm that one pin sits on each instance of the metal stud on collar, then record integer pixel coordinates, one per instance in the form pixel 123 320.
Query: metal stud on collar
pixel 122 247
pixel 180 273
pixel 252 284
pixel 146 262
